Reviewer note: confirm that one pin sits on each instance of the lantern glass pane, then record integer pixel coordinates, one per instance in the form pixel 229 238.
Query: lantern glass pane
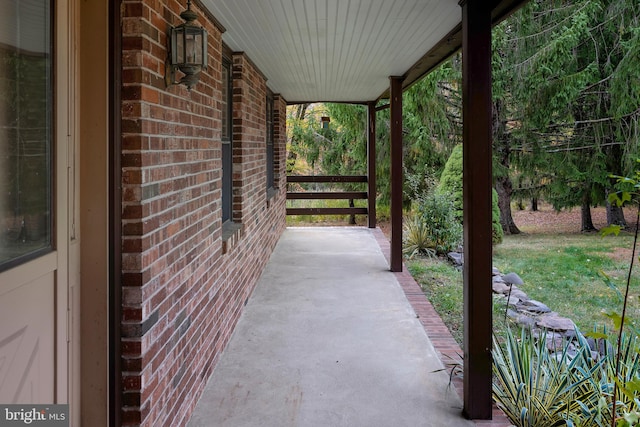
pixel 197 46
pixel 205 47
pixel 179 43
pixel 193 41
pixel 190 49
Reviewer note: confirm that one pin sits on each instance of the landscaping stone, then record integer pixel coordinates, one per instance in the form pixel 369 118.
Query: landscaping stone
pixel 534 306
pixel 519 294
pixel 500 288
pixel 599 345
pixel 572 350
pixel 571 353
pixel 555 322
pixel 572 333
pixel 555 341
pixel 457 258
pixel 538 317
pixel 535 315
pixel 512 314
pixel 513 301
pixel 525 321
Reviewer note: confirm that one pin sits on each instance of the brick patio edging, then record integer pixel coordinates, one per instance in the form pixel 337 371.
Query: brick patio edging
pixel 448 349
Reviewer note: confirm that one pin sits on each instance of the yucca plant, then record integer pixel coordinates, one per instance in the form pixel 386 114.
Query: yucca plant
pixel 417 238
pixel 537 388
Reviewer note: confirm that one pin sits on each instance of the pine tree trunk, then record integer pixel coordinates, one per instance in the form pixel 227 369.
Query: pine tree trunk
pixel 615 216
pixel 534 204
pixel 587 222
pixel 504 189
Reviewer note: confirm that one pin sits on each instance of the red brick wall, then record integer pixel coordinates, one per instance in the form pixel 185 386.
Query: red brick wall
pixel 182 295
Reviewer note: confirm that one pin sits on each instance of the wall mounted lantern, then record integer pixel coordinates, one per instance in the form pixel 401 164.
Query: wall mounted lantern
pixel 188 50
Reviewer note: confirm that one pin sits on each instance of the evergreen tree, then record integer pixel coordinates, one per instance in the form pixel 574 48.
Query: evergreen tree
pixel 451 184
pixel 561 68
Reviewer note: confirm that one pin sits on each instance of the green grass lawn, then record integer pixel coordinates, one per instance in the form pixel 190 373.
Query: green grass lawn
pixel 442 285
pixel 562 271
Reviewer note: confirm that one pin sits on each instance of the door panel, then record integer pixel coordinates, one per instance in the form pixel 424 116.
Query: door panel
pixel 27 348
pixel 37 127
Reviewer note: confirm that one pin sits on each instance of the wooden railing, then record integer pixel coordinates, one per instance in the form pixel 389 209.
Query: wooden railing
pixel 326 195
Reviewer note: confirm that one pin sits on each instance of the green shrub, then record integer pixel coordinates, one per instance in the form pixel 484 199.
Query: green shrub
pixel 497 234
pixel 433 229
pixel 438 212
pixel 451 183
pixel 451 180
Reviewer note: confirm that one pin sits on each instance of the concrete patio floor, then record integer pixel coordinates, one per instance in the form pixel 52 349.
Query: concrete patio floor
pixel 329 339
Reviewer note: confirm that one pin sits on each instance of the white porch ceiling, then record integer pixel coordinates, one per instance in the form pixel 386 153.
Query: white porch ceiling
pixel 334 50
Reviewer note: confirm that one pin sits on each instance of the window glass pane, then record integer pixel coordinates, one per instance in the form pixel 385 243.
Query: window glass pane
pixel 270 131
pixel 227 160
pixel 25 129
pixel 225 103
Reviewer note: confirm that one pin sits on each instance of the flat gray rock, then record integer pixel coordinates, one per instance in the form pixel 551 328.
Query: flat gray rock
pixel 554 322
pixel 519 294
pixel 535 306
pixel 456 257
pixel 513 301
pixel 525 321
pixel 500 288
pixel 555 341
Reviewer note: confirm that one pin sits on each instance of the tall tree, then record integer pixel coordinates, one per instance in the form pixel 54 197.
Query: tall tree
pixel 558 60
pixel 502 135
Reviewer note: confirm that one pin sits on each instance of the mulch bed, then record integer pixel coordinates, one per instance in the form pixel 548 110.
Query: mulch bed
pixel 548 221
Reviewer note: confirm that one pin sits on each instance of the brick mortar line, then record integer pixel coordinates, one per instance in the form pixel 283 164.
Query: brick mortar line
pixel 439 335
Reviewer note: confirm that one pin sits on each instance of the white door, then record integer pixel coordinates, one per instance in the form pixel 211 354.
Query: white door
pixel 36 200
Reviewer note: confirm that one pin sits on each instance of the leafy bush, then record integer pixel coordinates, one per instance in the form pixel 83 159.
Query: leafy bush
pixel 433 229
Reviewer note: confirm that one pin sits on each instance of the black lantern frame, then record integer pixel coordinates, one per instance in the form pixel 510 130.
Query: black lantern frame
pixel 188 50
